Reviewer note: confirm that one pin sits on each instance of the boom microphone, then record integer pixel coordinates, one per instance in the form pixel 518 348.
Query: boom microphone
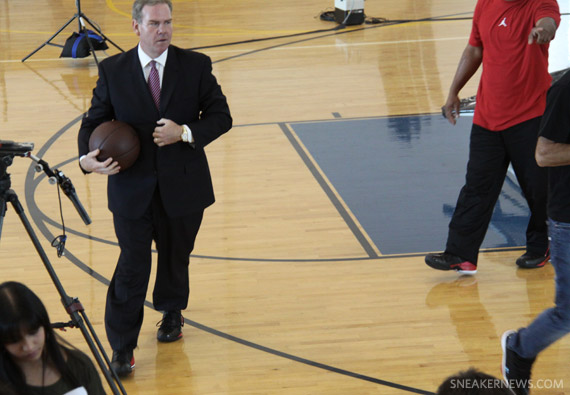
pixel 65 185
pixel 69 190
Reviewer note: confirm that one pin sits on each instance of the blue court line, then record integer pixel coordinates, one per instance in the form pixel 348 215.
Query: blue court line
pixel 327 189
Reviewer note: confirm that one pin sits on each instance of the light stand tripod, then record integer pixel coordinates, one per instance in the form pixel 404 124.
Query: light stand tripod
pixel 80 16
pixel 8 150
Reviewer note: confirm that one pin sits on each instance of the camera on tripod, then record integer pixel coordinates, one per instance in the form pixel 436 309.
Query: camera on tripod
pixel 9 149
pixel 17 149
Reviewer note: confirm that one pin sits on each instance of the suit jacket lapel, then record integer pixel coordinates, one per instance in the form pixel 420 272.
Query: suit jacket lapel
pixel 169 79
pixel 139 83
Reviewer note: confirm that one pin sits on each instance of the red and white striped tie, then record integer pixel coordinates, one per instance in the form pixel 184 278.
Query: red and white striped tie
pixel 154 83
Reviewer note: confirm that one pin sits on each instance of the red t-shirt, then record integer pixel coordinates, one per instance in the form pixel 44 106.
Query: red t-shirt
pixel 515 74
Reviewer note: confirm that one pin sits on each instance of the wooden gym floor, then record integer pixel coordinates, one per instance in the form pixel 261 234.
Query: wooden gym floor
pixel 339 175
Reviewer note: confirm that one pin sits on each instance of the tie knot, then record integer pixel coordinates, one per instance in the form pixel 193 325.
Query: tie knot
pixel 153 64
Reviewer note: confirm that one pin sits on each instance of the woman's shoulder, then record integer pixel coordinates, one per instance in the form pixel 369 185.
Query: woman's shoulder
pixel 77 357
pixel 83 368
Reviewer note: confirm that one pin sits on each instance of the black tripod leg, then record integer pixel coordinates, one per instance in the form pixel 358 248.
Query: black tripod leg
pixel 94 344
pixel 13 198
pixel 2 213
pixel 100 346
pixel 84 31
pixel 101 32
pixel 72 306
pixel 51 38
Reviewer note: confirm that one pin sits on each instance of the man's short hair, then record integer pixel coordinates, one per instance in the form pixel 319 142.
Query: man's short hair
pixel 138 6
pixel 473 382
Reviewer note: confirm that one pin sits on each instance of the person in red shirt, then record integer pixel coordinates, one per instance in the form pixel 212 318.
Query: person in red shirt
pixel 510 38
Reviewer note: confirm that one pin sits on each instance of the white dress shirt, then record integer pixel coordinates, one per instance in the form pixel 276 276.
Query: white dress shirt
pixel 160 62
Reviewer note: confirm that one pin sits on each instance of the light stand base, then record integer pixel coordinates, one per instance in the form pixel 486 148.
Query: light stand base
pixel 349 12
pixel 81 17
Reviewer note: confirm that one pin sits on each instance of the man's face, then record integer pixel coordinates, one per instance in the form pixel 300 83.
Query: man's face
pixel 155 29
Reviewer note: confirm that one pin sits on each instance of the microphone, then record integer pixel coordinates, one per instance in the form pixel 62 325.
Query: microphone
pixel 65 185
pixel 67 188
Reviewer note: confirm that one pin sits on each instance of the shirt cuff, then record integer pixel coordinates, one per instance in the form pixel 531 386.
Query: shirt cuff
pixel 189 132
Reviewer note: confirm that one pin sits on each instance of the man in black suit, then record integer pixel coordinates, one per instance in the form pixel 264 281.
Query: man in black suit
pixel 162 197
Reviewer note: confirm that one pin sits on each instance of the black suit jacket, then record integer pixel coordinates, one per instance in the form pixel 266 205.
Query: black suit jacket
pixel 190 95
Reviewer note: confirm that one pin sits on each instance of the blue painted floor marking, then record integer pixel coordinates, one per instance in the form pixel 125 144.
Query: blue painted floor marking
pixel 400 176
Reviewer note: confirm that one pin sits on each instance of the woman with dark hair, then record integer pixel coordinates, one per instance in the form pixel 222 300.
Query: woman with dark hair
pixel 33 359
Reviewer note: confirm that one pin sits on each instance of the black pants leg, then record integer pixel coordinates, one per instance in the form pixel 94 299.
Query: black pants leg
pixel 127 292
pixel 486 170
pixel 521 145
pixel 174 241
pixel 174 238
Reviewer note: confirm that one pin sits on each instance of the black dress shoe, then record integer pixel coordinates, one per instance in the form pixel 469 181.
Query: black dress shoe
pixel 532 260
pixel 170 327
pixel 123 362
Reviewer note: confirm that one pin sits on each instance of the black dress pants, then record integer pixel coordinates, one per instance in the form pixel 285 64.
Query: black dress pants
pixel 174 239
pixel 490 153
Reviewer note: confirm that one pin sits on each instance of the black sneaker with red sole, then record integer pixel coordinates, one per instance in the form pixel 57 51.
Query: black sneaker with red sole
pixel 170 328
pixel 123 362
pixel 446 261
pixel 532 260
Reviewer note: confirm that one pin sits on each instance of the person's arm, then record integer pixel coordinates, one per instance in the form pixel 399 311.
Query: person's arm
pixel 214 120
pixel 543 32
pixel 84 371
pixel 99 111
pixel 550 154
pixel 468 64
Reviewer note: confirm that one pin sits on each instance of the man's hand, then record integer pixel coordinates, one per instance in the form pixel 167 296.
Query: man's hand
pixel 451 109
pixel 543 32
pixel 166 132
pixel 540 35
pixel 90 164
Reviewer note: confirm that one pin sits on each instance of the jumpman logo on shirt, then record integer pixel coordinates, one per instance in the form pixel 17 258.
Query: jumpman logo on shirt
pixel 503 22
